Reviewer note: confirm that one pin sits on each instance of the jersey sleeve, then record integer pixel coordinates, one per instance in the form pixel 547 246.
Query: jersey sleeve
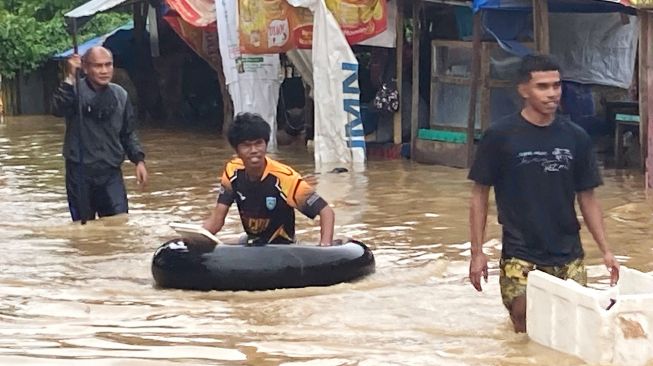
pixel 306 200
pixel 226 192
pixel 586 167
pixel 486 167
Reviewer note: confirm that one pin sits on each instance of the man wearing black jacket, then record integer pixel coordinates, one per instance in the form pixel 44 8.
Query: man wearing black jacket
pixel 95 145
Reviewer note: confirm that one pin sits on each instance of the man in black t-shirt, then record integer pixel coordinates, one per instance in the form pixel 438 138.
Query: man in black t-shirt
pixel 538 163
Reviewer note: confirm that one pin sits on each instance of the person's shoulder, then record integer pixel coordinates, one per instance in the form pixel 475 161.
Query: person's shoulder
pixel 232 166
pixel 119 90
pixel 505 123
pixel 287 177
pixel 502 126
pixel 282 170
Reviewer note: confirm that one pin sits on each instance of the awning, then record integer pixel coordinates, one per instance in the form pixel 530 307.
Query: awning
pixel 97 41
pixel 588 6
pixel 93 7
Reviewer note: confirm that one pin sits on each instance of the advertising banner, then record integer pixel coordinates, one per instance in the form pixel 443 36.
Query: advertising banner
pixel 274 26
pixel 339 136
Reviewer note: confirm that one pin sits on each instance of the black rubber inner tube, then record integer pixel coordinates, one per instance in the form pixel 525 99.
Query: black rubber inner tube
pixel 203 266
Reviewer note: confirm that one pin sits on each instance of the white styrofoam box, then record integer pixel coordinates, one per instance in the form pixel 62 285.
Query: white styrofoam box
pixel 576 320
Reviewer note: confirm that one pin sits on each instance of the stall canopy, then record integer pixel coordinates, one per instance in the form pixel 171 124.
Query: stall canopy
pixel 84 12
pixel 123 33
pixel 566 6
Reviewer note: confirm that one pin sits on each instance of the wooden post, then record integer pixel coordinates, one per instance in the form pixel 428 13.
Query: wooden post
pixel 227 103
pixel 541 25
pixel 474 87
pixel 645 83
pixel 414 121
pixel 397 117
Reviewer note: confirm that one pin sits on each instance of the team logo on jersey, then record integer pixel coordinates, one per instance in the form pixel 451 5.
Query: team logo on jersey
pixel 270 203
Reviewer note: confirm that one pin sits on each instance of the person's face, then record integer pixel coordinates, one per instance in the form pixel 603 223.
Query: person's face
pixel 98 68
pixel 542 92
pixel 252 152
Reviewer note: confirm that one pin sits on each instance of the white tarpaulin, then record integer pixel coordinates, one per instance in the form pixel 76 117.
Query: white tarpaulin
pixel 93 7
pixel 253 80
pixel 339 136
pixel 595 48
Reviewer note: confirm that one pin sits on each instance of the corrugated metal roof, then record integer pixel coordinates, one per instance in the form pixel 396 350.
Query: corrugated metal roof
pixel 93 7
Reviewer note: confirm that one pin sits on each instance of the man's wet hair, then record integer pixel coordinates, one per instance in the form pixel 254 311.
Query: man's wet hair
pixel 248 127
pixel 535 63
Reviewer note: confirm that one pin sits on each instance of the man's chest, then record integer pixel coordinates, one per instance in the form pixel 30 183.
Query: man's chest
pixel 539 155
pixel 259 197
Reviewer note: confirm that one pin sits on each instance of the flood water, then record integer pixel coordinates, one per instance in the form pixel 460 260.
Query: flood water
pixel 84 295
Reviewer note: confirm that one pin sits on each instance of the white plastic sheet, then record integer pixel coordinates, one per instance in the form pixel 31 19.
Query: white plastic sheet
pixel 339 136
pixel 253 80
pixel 595 48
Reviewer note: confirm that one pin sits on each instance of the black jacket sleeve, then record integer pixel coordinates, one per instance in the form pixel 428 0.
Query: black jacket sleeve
pixel 128 136
pixel 63 101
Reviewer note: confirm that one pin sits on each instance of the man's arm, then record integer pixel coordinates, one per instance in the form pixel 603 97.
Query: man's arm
pixel 477 221
pixel 215 222
pixel 327 222
pixel 132 145
pixel 63 99
pixel 128 136
pixel 593 216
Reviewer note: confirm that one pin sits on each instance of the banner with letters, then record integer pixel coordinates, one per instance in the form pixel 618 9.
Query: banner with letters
pixel 339 136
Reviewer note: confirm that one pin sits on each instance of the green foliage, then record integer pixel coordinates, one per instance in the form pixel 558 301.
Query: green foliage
pixel 33 30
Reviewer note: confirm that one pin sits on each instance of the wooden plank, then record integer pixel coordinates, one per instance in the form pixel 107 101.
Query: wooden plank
pixel 448 79
pixel 645 78
pixel 451 44
pixel 541 25
pixel 441 153
pixel 646 134
pixel 397 117
pixel 414 121
pixel 494 83
pixel 450 128
pixel 433 105
pixel 476 73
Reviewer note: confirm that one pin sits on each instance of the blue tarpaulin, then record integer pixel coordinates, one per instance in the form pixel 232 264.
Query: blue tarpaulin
pixel 566 6
pixel 97 41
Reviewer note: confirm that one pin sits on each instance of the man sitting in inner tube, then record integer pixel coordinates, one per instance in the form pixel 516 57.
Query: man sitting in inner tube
pixel 266 191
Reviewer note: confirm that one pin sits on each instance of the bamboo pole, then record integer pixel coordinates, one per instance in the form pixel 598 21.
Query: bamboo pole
pixel 414 121
pixel 473 88
pixel 541 25
pixel 400 70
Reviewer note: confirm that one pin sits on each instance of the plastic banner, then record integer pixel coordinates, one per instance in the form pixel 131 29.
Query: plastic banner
pixel 339 136
pixel 253 80
pixel 595 48
pixel 199 13
pixel 204 41
pixel 275 26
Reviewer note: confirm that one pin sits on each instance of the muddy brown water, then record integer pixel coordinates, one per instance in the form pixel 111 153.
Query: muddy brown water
pixel 84 295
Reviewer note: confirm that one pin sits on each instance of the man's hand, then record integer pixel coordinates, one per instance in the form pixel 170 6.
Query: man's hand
pixel 478 268
pixel 141 174
pixel 613 267
pixel 73 63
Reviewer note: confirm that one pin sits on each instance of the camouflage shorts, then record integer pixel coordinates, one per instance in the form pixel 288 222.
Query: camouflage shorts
pixel 514 273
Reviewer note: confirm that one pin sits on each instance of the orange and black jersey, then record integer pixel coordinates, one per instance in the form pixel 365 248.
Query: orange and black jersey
pixel 267 206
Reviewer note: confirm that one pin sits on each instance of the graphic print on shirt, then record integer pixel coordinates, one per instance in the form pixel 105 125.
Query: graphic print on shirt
pixel 555 161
